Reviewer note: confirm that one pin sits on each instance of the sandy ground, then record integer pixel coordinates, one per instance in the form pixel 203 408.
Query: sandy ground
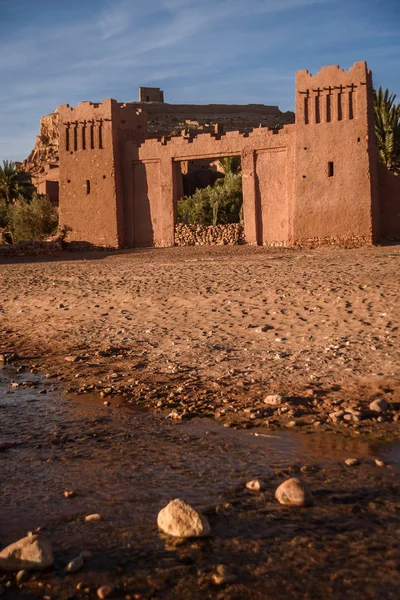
pixel 195 328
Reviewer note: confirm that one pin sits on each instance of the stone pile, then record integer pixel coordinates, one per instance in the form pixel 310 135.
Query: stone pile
pixel 213 235
pixel 30 248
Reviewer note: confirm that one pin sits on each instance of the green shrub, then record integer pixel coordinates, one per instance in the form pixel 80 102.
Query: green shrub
pixel 33 220
pixel 218 204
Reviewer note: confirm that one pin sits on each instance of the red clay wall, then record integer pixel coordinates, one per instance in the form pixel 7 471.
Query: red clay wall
pixel 152 178
pixel 333 118
pixel 91 203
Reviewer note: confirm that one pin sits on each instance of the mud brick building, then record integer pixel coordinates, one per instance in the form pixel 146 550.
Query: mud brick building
pixel 313 182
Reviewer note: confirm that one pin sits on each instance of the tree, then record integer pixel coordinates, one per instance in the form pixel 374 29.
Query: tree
pixel 220 203
pixel 34 220
pixel 14 183
pixel 230 164
pixel 387 128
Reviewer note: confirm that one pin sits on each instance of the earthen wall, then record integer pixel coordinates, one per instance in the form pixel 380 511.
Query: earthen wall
pixel 313 183
pixel 333 186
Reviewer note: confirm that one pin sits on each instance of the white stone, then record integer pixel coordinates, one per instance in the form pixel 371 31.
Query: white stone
pixel 352 462
pixel 379 405
pixel 31 552
pixel 255 485
pixel 274 399
pixel 93 518
pixel 179 519
pixel 294 492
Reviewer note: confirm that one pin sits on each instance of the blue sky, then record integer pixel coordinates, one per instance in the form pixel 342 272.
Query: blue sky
pixel 198 51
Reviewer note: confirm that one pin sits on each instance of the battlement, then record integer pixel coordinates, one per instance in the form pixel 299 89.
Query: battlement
pixel 332 95
pixel 357 72
pixel 237 138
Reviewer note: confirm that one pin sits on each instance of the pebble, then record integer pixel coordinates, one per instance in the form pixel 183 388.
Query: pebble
pixel 104 592
pixel 223 575
pixel 294 492
pixel 71 358
pixel 92 518
pixel 69 494
pixel 352 462
pixel 379 405
pixel 379 463
pixel 255 485
pixel 15 385
pixel 75 565
pixel 274 399
pixel 22 575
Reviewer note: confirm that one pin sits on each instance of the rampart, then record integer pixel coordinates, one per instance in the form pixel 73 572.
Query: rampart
pixel 314 182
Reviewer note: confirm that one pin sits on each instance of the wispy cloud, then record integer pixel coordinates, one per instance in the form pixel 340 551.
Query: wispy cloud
pixel 210 51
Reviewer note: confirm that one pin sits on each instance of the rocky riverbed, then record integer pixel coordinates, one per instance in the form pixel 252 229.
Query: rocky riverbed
pixel 64 458
pixel 290 358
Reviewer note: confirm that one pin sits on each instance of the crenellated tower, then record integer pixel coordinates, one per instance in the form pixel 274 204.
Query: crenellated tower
pixel 91 136
pixel 335 179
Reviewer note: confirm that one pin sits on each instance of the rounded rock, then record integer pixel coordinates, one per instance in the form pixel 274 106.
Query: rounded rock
pixel 22 575
pixel 352 462
pixel 179 519
pixel 274 399
pixel 75 565
pixel 294 492
pixel 93 518
pixel 255 485
pixel 379 405
pixel 104 592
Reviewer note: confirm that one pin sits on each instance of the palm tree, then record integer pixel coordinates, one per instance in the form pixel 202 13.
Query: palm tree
pixel 14 184
pixel 387 128
pixel 230 164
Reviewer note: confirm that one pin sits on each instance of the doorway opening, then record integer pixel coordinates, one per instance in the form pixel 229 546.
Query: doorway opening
pixel 210 192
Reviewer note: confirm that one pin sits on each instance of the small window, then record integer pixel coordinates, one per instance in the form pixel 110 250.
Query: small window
pixel 330 169
pixel 87 186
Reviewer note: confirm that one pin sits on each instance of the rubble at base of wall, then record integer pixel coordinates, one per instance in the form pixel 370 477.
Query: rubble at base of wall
pixel 86 247
pixel 30 248
pixel 213 235
pixel 335 242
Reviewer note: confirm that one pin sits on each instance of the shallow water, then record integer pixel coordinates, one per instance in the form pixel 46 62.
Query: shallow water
pixel 126 463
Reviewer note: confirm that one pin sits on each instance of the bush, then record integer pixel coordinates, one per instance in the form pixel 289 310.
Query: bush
pixel 219 204
pixel 33 220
